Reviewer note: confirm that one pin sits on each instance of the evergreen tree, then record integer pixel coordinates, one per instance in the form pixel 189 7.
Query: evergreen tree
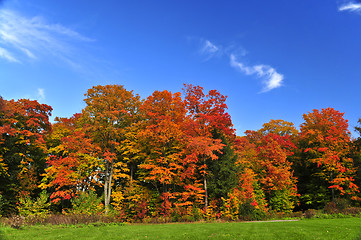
pixel 222 176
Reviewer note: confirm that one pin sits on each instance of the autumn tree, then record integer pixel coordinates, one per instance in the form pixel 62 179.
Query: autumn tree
pixel 163 141
pixel 279 127
pixel 72 162
pixel 110 110
pixel 24 127
pixel 274 171
pixel 206 114
pixel 326 170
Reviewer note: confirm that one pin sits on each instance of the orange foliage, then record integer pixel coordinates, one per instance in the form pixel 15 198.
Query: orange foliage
pixel 23 128
pixel 73 163
pixel 326 140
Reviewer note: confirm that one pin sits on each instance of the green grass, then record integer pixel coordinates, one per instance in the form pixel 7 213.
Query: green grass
pixel 346 228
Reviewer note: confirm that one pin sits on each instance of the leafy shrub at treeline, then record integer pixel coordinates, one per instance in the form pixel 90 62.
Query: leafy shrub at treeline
pixel 87 203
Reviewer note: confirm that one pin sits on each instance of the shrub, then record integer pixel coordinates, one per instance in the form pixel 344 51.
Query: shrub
pixel 248 211
pixel 212 212
pixel 330 208
pixel 336 206
pixel 310 213
pixel 87 203
pixel 38 207
pixel 59 219
pixel 15 221
pixel 352 211
pixel 134 202
pixel 282 201
pixel 196 214
pixel 298 214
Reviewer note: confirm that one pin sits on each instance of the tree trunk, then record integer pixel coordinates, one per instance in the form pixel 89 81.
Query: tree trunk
pixel 205 192
pixel 205 186
pixel 108 186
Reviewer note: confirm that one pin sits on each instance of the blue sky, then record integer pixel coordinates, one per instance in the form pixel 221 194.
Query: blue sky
pixel 273 59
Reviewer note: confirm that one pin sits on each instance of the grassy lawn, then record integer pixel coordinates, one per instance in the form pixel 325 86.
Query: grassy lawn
pixel 346 228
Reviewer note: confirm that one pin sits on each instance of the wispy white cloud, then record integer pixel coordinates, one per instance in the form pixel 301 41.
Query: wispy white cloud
pixel 209 50
pixel 41 94
pixel 209 47
pixel 33 38
pixel 351 7
pixel 8 56
pixel 271 78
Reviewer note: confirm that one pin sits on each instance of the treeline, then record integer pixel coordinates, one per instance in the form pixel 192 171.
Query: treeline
pixel 170 155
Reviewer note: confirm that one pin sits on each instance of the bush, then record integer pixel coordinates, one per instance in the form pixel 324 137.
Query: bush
pixel 196 214
pixel 249 212
pixel 58 219
pixel 330 208
pixel 338 205
pixel 15 221
pixel 38 207
pixel 134 202
pixel 352 211
pixel 78 219
pixel 282 201
pixel 298 214
pixel 87 203
pixel 310 213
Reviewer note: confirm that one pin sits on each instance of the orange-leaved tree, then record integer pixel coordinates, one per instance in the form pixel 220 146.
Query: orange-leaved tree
pixel 163 141
pixel 72 164
pixel 23 130
pixel 206 114
pixel 279 127
pixel 325 143
pixel 274 171
pixel 110 110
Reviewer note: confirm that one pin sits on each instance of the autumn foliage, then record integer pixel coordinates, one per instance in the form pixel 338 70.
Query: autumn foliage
pixel 171 156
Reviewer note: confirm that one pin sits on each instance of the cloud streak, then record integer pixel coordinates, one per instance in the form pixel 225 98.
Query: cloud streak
pixel 350 7
pixel 33 38
pixel 209 49
pixel 7 56
pixel 271 78
pixel 41 94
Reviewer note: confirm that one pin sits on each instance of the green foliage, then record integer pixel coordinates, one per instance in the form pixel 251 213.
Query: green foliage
pixel 314 193
pixel 282 201
pixel 222 176
pixel 247 211
pixel 196 213
pixel 87 203
pixel 38 207
pixel 3 204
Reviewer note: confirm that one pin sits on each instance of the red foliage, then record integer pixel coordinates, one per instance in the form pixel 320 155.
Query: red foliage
pixel 326 139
